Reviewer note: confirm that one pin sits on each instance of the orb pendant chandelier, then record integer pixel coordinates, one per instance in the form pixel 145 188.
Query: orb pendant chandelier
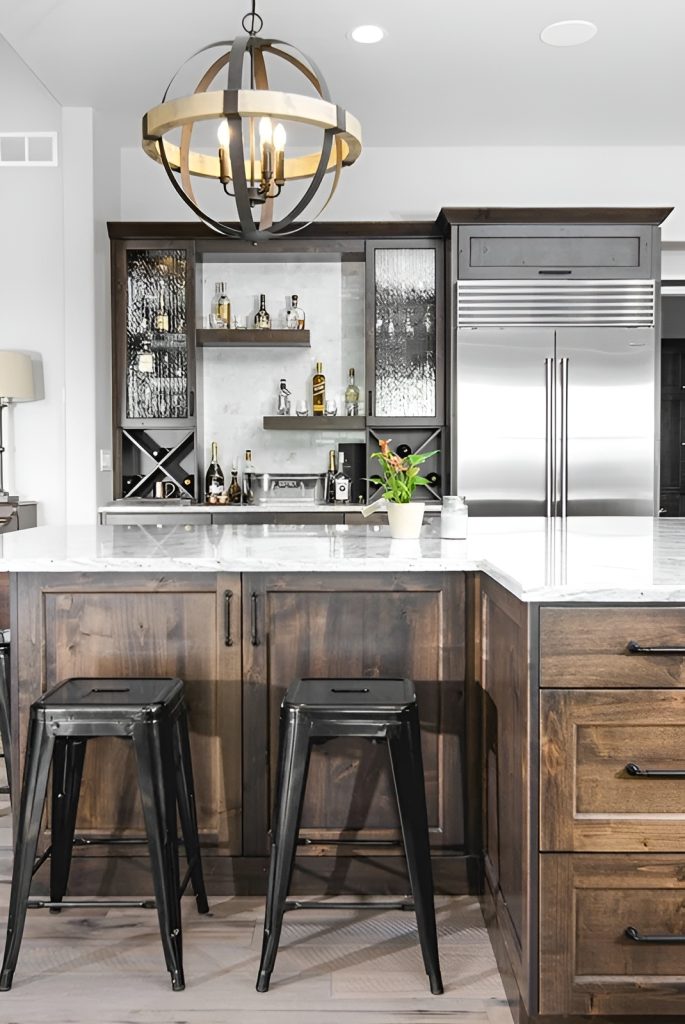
pixel 250 161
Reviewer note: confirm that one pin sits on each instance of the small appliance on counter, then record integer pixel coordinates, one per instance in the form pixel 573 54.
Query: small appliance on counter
pixel 291 488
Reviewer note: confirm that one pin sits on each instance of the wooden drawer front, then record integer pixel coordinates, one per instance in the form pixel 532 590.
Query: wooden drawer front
pixel 587 962
pixel 588 800
pixel 589 646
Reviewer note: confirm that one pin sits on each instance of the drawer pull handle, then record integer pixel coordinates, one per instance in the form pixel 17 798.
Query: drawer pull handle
pixel 654 773
pixel 635 648
pixel 254 626
pixel 633 933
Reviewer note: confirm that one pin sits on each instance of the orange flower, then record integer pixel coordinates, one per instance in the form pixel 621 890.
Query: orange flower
pixel 396 462
pixel 383 445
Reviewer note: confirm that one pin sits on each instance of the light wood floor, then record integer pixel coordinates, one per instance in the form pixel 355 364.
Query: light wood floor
pixel 106 966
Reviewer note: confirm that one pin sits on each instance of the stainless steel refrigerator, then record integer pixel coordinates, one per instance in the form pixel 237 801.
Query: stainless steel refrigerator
pixel 556 398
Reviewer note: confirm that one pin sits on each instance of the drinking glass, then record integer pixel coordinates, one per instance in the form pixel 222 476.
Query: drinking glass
pixel 301 407
pixel 331 407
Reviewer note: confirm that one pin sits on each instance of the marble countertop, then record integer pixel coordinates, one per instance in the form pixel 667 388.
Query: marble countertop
pixel 587 559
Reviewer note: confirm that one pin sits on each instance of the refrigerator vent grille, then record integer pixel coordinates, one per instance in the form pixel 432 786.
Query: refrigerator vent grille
pixel 556 303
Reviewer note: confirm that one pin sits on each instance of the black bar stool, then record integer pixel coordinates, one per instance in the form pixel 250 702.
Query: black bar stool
pixel 315 710
pixel 5 708
pixel 152 714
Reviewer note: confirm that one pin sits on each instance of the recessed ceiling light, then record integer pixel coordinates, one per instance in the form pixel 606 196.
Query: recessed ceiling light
pixel 568 33
pixel 367 34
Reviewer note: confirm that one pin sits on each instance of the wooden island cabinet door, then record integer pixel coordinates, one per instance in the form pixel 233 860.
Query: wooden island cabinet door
pixel 137 624
pixel 354 626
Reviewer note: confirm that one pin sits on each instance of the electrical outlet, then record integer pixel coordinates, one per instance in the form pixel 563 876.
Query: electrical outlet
pixel 105 460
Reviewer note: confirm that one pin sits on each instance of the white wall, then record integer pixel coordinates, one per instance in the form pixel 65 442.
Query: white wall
pixel 32 291
pixel 391 184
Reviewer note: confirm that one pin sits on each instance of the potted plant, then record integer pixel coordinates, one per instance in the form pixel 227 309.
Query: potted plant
pixel 399 478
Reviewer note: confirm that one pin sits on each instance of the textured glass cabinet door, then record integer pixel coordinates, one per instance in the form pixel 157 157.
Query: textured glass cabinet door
pixel 406 331
pixel 158 363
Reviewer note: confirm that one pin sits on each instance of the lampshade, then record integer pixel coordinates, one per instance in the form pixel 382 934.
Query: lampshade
pixel 16 377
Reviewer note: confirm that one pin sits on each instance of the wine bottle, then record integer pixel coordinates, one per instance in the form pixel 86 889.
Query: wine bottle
pixel 403 450
pixel 161 317
pixel 283 399
pixel 248 477
pixel 295 316
pixel 234 491
pixel 319 391
pixel 214 480
pixel 262 320
pixel 221 306
pixel 433 479
pixel 329 489
pixel 351 395
pixel 342 482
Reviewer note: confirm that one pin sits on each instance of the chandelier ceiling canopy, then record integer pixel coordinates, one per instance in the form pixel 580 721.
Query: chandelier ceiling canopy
pixel 250 161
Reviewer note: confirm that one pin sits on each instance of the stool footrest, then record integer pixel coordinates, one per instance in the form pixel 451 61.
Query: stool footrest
pixel 306 841
pixel 38 904
pixel 114 841
pixel 348 905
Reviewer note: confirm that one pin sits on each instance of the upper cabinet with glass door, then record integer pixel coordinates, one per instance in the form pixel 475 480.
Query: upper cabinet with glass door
pixel 156 358
pixel 405 332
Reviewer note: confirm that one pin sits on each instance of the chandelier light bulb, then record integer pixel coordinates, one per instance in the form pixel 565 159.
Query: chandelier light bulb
pixel 265 131
pixel 279 137
pixel 223 133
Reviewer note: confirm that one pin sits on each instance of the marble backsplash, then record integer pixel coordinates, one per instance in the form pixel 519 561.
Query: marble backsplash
pixel 240 385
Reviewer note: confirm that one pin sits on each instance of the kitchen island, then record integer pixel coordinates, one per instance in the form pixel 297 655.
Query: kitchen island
pixel 538 655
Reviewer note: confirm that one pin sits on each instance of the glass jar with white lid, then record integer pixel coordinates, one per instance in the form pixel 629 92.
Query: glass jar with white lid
pixel 454 517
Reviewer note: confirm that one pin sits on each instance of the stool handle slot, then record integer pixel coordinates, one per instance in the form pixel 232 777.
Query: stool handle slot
pixel 109 689
pixel 363 689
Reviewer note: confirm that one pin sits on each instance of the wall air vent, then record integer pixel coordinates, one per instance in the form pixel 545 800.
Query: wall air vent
pixel 602 303
pixel 28 149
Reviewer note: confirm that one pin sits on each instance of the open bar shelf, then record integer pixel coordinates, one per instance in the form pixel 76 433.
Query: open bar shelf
pixel 228 338
pixel 314 423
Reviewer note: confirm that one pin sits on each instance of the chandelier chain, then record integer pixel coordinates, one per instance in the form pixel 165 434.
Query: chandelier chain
pixel 252 17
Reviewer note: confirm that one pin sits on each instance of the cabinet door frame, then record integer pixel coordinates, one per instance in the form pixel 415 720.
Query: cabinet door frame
pixel 120 249
pixel 370 317
pixel 256 710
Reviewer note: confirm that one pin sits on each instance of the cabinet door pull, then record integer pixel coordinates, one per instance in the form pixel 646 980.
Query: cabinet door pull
pixel 633 933
pixel 191 403
pixel 635 648
pixel 369 410
pixel 654 773
pixel 228 637
pixel 254 631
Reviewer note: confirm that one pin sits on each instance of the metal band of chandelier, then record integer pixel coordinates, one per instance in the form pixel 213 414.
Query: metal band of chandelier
pixel 251 163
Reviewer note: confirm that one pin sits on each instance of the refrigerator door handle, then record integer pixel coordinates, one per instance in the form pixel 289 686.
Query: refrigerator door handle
pixel 563 389
pixel 550 447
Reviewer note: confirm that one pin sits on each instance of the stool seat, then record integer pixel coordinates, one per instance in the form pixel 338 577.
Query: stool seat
pixel 378 695
pixel 316 710
pixel 151 713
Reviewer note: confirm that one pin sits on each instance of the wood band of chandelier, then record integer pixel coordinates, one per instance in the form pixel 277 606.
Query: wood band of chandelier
pixel 237 104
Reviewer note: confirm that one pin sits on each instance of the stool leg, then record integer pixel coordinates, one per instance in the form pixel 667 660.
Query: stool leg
pixel 187 810
pixel 36 770
pixel 404 745
pixel 67 770
pixel 5 738
pixel 156 777
pixel 292 776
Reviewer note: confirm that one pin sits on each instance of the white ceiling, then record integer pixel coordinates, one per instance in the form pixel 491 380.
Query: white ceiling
pixel 451 72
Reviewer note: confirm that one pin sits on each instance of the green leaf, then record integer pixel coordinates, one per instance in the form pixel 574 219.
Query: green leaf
pixel 420 480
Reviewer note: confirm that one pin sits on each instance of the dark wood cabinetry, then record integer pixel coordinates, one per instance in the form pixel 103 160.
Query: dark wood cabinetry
pixel 238 643
pixel 672 445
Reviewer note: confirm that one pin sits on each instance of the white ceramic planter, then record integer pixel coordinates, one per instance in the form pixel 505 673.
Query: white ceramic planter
pixel 405 519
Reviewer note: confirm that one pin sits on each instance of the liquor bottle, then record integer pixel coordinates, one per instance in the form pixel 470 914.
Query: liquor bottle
pixel 234 492
pixel 248 478
pixel 329 487
pixel 262 319
pixel 161 317
pixel 221 306
pixel 283 399
pixel 295 316
pixel 319 391
pixel 214 480
pixel 351 396
pixel 342 481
